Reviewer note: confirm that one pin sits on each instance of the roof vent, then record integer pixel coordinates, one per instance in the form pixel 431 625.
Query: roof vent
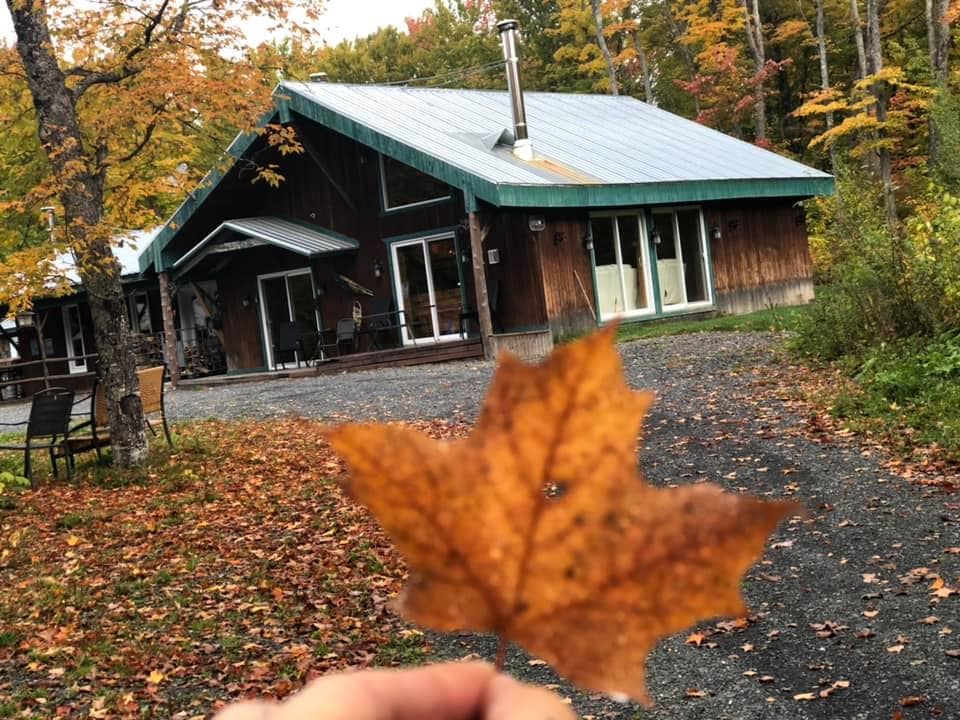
pixel 522 147
pixel 318 77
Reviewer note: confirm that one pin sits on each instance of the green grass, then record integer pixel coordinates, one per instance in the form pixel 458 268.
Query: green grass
pixel 772 319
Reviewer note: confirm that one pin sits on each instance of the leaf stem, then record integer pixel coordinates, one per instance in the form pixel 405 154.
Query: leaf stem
pixel 501 654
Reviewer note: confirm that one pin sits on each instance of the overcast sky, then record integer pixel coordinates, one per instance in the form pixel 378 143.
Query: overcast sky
pixel 343 19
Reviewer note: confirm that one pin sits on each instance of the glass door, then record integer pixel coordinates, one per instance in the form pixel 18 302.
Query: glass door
pixel 73 329
pixel 289 313
pixel 427 282
pixel 681 257
pixel 622 268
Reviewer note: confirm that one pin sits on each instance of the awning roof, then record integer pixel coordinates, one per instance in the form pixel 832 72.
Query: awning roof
pixel 307 240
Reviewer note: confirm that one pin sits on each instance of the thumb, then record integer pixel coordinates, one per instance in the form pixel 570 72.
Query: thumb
pixel 508 699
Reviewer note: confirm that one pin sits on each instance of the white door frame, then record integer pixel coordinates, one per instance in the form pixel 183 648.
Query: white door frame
pixel 612 216
pixel 398 287
pixel 264 325
pixel 75 367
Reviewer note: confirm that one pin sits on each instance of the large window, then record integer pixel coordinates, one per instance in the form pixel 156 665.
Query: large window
pixel 405 187
pixel 623 275
pixel 76 348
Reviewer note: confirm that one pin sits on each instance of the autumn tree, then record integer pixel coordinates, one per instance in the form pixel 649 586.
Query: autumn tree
pixel 119 92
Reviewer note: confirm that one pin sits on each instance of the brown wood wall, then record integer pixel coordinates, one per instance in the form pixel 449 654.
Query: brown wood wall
pixel 762 258
pixel 308 194
pixel 567 276
pixel 516 280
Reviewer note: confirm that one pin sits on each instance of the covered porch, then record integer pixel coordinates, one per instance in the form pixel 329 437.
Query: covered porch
pixel 278 295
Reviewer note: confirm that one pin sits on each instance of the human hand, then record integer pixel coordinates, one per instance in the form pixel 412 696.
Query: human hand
pixel 456 691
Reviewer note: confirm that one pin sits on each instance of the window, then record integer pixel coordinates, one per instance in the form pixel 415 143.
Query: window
pixel 76 349
pixel 623 282
pixel 139 307
pixel 404 186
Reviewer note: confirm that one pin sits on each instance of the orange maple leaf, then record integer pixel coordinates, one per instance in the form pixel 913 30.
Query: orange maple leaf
pixel 538 527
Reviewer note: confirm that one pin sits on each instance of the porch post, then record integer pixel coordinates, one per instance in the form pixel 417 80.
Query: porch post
pixel 477 236
pixel 169 333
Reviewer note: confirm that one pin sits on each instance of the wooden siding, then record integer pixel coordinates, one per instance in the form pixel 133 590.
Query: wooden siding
pixel 567 276
pixel 516 281
pixel 762 258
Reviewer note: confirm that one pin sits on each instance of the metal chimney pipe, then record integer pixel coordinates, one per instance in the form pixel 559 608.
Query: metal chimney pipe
pixel 522 147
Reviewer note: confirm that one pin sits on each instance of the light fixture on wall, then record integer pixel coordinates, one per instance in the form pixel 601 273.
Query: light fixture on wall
pixel 715 234
pixel 377 269
pixel 655 235
pixel 246 301
pixel 588 243
pixel 536 223
pixel 26 319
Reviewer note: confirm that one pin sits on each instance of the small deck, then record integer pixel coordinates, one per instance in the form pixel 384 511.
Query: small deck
pixel 471 349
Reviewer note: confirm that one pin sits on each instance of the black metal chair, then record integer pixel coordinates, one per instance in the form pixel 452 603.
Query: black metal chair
pixel 50 420
pixel 286 339
pixel 383 324
pixel 347 332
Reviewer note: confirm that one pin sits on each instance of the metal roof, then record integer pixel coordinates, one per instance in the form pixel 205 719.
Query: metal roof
pixel 303 239
pixel 590 150
pixel 578 140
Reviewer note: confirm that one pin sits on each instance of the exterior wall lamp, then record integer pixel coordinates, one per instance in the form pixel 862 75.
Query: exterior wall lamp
pixel 655 236
pixel 377 269
pixel 715 233
pixel 26 319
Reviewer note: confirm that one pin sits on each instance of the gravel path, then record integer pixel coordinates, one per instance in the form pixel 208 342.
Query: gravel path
pixel 845 571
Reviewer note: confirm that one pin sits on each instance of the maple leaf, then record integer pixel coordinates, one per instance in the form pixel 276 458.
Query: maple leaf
pixel 537 526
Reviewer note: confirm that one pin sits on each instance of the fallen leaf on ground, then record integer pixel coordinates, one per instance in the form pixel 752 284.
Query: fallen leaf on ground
pixel 805 697
pixel 695 639
pixel 537 528
pixel 912 700
pixel 929 620
pixel 895 649
pixel 870 613
pixel 156 677
pixel 694 693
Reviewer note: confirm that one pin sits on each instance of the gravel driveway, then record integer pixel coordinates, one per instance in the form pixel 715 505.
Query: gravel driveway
pixel 837 609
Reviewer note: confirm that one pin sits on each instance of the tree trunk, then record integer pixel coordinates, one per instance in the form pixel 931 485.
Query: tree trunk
pixel 825 77
pixel 938 42
pixel 881 92
pixel 858 37
pixel 167 294
pixel 645 71
pixel 80 190
pixel 604 48
pixel 477 236
pixel 758 51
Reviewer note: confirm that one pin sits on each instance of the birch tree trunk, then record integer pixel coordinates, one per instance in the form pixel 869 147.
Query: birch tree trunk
pixel 648 95
pixel 604 48
pixel 858 37
pixel 80 190
pixel 881 92
pixel 825 76
pixel 938 42
pixel 758 52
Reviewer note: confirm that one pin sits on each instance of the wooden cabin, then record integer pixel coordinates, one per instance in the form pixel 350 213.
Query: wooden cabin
pixel 433 214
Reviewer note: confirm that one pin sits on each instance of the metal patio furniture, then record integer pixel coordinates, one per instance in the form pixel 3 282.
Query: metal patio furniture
pixel 50 422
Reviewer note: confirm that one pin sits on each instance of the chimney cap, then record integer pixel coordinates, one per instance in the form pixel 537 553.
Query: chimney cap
pixel 507 25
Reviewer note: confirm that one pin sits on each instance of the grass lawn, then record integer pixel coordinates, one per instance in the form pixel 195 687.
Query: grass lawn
pixel 231 565
pixel 773 319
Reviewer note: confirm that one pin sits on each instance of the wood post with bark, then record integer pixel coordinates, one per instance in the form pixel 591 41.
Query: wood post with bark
pixel 80 175
pixel 167 291
pixel 478 233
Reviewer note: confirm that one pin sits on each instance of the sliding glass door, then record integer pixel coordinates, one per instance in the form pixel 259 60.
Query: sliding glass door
pixel 680 243
pixel 624 288
pixel 427 282
pixel 288 305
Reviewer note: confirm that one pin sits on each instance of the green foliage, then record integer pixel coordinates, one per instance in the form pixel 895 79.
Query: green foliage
pixel 770 320
pixel 10 481
pixel 909 392
pixel 945 112
pixel 881 285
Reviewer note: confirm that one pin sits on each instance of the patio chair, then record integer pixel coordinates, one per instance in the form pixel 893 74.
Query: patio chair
pixel 347 333
pixel 50 421
pixel 151 397
pixel 383 323
pixel 286 339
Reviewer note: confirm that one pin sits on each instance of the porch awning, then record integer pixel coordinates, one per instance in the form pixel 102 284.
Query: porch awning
pixel 308 240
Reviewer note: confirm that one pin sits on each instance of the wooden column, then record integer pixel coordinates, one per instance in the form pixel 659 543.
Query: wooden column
pixel 477 235
pixel 169 332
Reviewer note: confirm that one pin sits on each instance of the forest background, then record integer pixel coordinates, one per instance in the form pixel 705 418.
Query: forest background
pixel 866 89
